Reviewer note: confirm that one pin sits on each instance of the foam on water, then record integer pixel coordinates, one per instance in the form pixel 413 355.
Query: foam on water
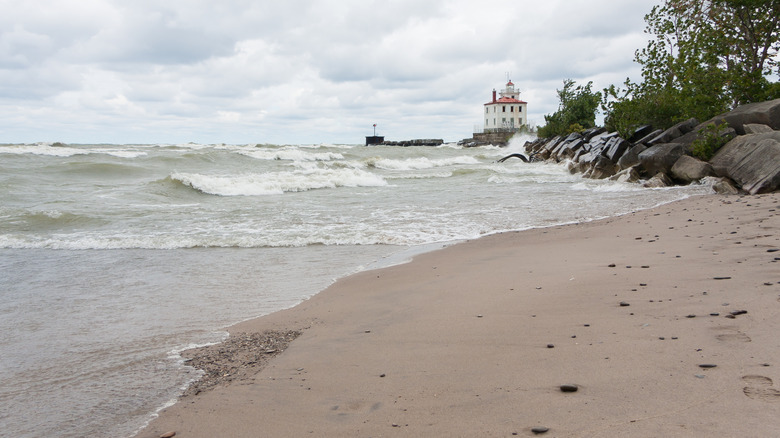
pixel 420 163
pixel 276 183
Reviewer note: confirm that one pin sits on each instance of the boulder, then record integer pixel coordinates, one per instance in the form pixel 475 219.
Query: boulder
pixel 602 168
pixel 765 113
pixel 752 161
pixel 631 157
pixel 658 181
pixel 660 158
pixel 567 147
pixel 640 132
pixel 630 175
pixel 675 131
pixel 721 186
pixel 756 128
pixel 588 134
pixel 646 139
pixel 615 148
pixel 688 169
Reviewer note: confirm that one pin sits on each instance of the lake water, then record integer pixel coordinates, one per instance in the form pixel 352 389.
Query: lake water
pixel 114 258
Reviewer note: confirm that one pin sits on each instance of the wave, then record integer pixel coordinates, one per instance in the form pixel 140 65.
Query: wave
pixel 66 151
pixel 420 163
pixel 423 175
pixel 290 154
pixel 42 220
pixel 607 187
pixel 276 183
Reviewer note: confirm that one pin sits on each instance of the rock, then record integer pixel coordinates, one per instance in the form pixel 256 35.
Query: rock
pixel 569 388
pixel 647 138
pixel 540 430
pixel 615 148
pixel 722 186
pixel 602 168
pixel 756 128
pixel 658 181
pixel 752 161
pixel 765 113
pixel 550 346
pixel 630 175
pixel 631 157
pixel 739 312
pixel 660 158
pixel 624 304
pixel 707 365
pixel 640 133
pixel 170 434
pixel 689 169
pixel 588 134
pixel 674 132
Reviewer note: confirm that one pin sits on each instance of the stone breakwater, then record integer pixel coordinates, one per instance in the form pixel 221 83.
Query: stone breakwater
pixel 415 142
pixel 750 162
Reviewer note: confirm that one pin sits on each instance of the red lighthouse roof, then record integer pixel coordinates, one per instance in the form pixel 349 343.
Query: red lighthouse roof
pixel 505 100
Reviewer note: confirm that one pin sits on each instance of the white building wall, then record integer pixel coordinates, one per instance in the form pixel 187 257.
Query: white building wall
pixel 514 115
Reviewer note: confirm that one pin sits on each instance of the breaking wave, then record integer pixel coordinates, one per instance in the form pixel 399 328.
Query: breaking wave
pixel 420 163
pixel 276 183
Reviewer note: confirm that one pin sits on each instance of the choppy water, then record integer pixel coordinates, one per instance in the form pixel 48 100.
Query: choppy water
pixel 115 257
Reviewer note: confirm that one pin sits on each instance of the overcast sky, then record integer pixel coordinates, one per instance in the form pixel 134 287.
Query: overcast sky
pixel 296 71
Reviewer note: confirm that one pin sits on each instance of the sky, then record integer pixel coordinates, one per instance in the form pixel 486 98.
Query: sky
pixel 296 71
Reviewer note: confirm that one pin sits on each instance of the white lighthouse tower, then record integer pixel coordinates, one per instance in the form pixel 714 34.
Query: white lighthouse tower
pixel 507 113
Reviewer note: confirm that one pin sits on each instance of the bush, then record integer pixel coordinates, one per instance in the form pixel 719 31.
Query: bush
pixel 711 138
pixel 576 110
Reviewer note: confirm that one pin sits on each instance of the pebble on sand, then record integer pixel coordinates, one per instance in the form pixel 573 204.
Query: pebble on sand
pixel 707 365
pixel 569 388
pixel 170 434
pixel 624 304
pixel 540 430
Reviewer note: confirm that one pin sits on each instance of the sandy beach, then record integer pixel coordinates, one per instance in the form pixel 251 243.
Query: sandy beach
pixel 476 339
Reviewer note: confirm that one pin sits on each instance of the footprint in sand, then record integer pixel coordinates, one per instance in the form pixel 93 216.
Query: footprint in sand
pixel 760 388
pixel 732 335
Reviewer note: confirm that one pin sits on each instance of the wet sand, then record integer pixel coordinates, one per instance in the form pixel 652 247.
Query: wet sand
pixel 476 339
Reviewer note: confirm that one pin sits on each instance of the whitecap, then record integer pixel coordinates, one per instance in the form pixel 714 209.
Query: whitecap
pixel 274 183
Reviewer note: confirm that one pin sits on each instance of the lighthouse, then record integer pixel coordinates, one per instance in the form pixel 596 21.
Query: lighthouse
pixel 506 113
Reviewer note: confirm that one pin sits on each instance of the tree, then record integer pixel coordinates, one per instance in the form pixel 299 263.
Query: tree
pixel 576 110
pixel 706 57
pixel 741 36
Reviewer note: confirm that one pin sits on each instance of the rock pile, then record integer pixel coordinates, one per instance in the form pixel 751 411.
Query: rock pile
pixel 659 158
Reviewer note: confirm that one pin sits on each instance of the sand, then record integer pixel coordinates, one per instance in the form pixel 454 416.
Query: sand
pixel 477 338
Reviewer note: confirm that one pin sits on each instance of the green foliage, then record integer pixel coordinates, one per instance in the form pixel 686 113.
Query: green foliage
pixel 711 138
pixel 627 109
pixel 705 57
pixel 576 110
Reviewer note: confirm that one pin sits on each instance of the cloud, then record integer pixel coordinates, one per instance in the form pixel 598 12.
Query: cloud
pixel 298 71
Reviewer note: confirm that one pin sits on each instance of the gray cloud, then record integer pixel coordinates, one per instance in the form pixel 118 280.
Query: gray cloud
pixel 299 71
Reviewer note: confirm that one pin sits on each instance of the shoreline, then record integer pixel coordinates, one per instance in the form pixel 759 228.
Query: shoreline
pixel 456 341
